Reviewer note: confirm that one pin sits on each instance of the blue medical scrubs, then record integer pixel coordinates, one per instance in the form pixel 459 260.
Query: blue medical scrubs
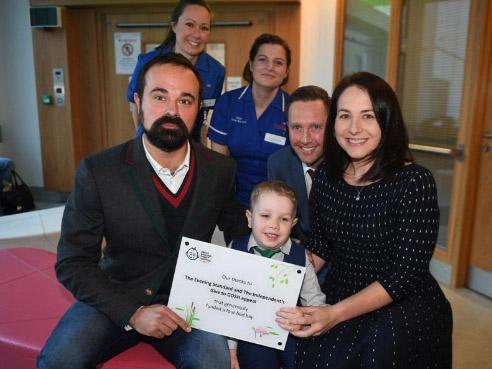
pixel 250 140
pixel 211 73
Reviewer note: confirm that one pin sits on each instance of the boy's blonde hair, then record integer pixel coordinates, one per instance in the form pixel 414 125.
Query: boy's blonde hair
pixel 277 187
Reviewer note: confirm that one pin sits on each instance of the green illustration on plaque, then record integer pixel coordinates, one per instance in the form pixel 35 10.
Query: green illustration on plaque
pixel 279 275
pixel 264 331
pixel 191 314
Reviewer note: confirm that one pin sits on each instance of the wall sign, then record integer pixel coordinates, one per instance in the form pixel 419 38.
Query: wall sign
pixel 126 51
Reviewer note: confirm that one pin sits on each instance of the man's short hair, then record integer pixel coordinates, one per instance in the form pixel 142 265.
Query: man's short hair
pixel 309 93
pixel 277 187
pixel 169 58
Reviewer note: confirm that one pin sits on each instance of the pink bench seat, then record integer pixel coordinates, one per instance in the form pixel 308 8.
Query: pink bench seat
pixel 31 303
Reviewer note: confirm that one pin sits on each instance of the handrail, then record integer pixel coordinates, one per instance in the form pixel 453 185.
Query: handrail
pixel 143 25
pixel 168 24
pixel 456 152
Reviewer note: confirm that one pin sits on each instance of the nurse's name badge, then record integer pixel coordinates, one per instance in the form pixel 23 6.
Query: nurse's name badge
pixel 275 139
pixel 208 103
pixel 238 119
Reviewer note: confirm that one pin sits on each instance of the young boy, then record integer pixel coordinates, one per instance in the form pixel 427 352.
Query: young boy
pixel 271 218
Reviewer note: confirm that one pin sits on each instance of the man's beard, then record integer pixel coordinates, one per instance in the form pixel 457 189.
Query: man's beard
pixel 167 139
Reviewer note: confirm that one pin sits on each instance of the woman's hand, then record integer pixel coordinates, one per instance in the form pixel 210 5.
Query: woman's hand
pixel 308 321
pixel 313 321
pixel 288 318
pixel 317 262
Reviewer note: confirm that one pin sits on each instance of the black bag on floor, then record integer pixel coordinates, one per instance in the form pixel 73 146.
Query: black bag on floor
pixel 15 196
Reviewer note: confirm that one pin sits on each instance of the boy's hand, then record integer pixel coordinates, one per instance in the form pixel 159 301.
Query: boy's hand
pixel 234 360
pixel 309 254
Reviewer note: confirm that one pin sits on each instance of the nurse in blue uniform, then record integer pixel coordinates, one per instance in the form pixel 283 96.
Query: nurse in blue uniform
pixel 188 35
pixel 249 123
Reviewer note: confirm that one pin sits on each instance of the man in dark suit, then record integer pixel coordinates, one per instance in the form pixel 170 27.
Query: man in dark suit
pixel 307 113
pixel 141 197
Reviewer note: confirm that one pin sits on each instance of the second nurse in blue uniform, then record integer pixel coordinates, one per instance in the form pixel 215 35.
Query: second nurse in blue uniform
pixel 188 35
pixel 249 123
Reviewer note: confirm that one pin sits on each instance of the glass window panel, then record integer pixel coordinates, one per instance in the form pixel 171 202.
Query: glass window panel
pixel 430 83
pixel 366 36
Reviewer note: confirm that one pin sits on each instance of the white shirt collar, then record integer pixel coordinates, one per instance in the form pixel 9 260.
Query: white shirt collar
pixel 305 168
pixel 285 248
pixel 158 168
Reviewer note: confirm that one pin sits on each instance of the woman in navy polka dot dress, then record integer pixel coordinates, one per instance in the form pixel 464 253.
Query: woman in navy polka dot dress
pixel 375 217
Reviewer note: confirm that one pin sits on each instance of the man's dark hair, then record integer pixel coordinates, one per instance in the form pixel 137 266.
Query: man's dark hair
pixel 309 93
pixel 169 58
pixel 263 39
pixel 392 151
pixel 170 40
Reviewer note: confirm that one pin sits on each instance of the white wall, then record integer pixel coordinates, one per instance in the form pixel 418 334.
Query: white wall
pixel 18 109
pixel 18 100
pixel 317 43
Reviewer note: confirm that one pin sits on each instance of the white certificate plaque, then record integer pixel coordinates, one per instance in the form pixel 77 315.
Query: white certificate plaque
pixel 233 293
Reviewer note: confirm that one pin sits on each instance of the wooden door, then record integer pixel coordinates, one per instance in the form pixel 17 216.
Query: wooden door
pixel 237 39
pixel 480 270
pixel 119 125
pixel 430 87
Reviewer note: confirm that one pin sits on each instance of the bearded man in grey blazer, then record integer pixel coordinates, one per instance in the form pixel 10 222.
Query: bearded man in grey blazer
pixel 141 197
pixel 307 113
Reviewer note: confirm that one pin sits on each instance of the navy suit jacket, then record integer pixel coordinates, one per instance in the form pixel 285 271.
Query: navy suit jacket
pixel 114 199
pixel 284 165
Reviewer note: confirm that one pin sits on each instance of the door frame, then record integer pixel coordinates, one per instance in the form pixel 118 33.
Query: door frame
pixel 472 116
pixel 465 183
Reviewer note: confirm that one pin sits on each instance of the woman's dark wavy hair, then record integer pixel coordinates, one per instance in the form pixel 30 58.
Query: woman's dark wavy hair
pixel 170 40
pixel 392 151
pixel 262 39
